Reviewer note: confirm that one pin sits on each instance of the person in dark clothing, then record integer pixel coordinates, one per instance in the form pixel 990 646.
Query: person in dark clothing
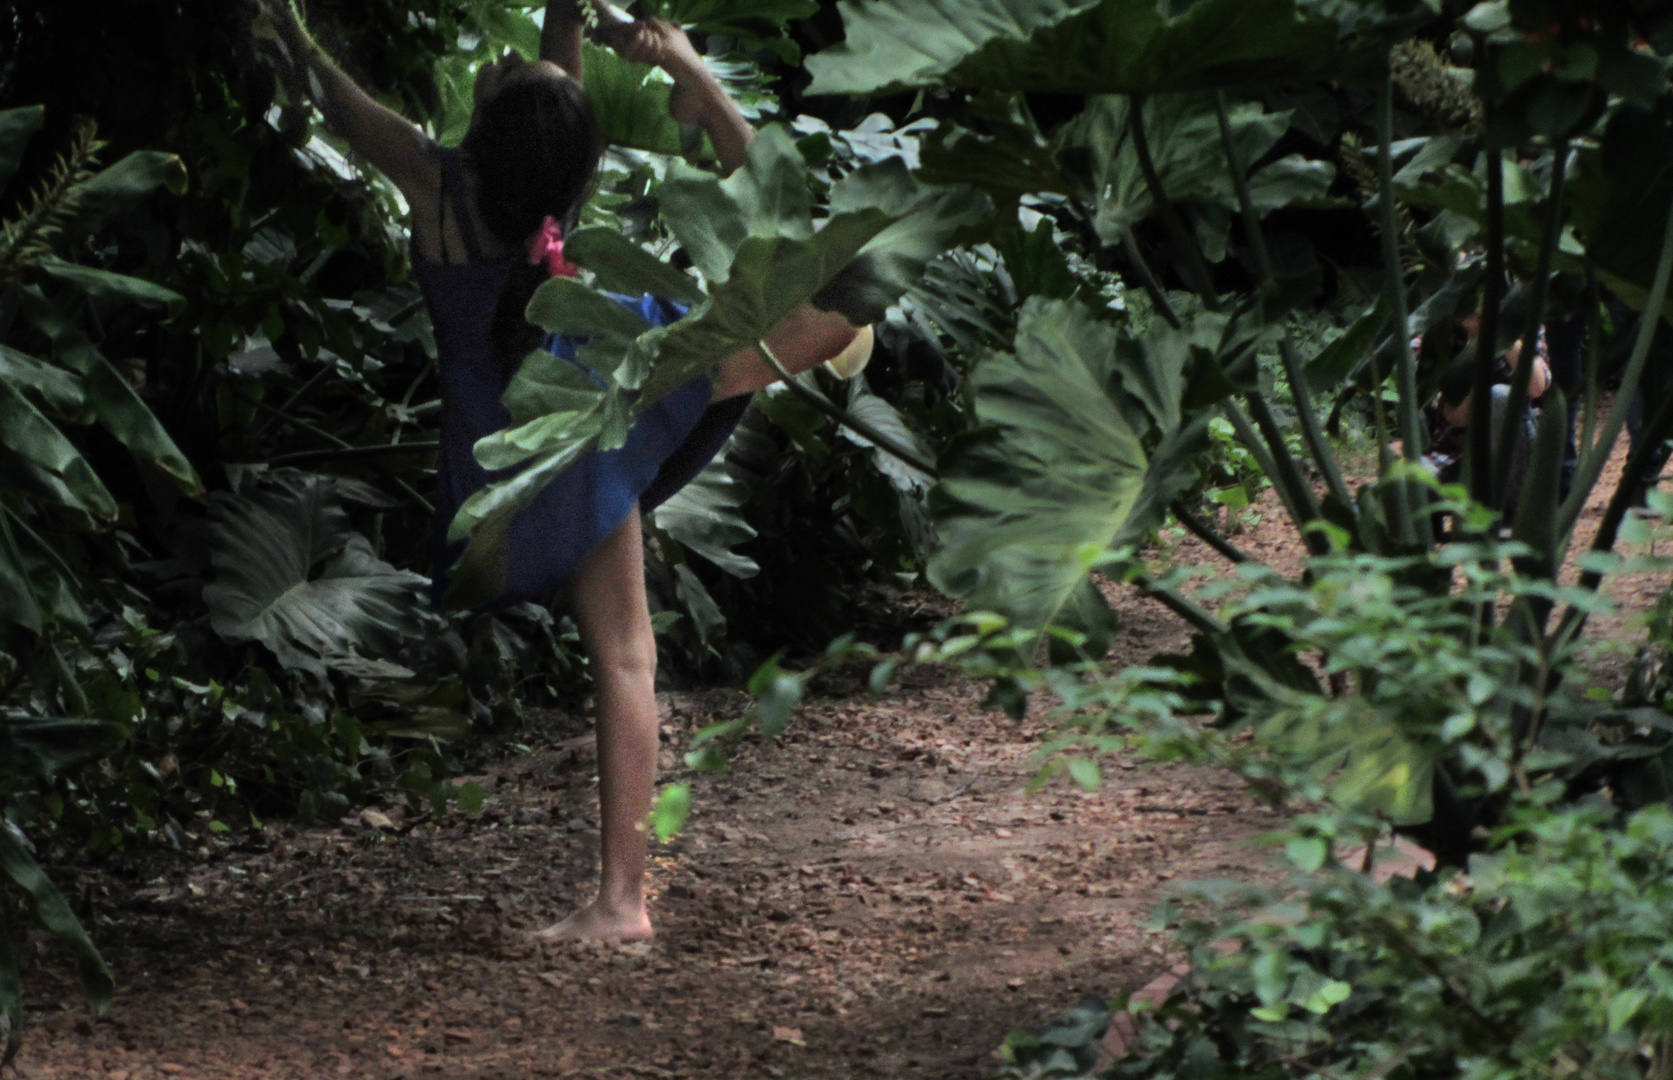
pixel 1566 346
pixel 1448 415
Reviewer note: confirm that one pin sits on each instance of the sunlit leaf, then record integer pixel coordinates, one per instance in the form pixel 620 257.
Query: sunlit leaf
pixel 668 815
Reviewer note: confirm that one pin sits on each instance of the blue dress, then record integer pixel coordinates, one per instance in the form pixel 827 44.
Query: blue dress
pixel 668 444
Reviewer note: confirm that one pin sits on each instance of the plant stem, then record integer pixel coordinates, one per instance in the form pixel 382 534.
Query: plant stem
pixel 291 402
pixel 1205 532
pixel 1185 608
pixel 819 401
pixel 351 452
pixel 1653 435
pixel 1147 278
pixel 1479 433
pixel 1310 430
pixel 1518 401
pixel 1594 330
pixel 1411 522
pixel 1181 236
pixel 1285 473
pixel 1252 442
pixel 1406 364
pixel 1591 464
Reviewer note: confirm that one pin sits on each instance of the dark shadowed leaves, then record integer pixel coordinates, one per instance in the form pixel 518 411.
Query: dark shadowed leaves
pixel 290 574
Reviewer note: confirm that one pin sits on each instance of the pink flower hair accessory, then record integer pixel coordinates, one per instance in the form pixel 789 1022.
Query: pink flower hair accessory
pixel 546 246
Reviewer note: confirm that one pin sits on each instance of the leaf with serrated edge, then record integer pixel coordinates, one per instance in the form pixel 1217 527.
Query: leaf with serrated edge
pixel 1071 46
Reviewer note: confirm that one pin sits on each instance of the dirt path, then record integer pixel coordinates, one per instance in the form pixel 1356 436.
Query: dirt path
pixel 872 894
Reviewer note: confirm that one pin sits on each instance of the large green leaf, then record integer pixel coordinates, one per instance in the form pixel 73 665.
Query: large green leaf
pixel 1072 46
pixel 1184 139
pixel 47 906
pixel 109 397
pixel 1003 152
pixel 733 18
pixel 17 127
pixel 1628 209
pixel 1030 502
pixel 894 44
pixel 57 466
pixel 290 574
pixel 882 417
pixel 623 266
pixel 53 389
pixel 20 608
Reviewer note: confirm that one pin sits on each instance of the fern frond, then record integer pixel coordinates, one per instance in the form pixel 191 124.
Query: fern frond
pixel 30 238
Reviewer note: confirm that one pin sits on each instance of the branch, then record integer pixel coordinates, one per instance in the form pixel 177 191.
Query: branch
pixel 1205 532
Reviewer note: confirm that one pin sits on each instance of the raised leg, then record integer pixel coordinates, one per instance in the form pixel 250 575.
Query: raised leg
pixel 806 339
pixel 610 608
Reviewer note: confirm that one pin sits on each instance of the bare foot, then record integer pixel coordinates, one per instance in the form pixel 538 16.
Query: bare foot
pixel 598 922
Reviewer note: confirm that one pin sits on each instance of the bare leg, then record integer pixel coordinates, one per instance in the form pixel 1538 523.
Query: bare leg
pixel 615 623
pixel 807 338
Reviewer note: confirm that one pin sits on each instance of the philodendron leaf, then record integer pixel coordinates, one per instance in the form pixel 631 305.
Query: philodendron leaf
pixel 290 574
pixel 55 466
pixel 623 266
pixel 706 517
pixel 630 101
pixel 883 228
pixel 20 608
pixel 21 875
pixel 733 18
pixel 1184 138
pixel 1073 46
pixel 1032 499
pixel 762 256
pixel 883 417
pixel 51 388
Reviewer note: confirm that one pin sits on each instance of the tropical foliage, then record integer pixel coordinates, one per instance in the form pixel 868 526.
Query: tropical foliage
pixel 1129 259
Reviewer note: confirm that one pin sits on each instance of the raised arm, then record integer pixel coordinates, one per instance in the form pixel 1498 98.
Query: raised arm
pixel 560 35
pixel 698 97
pixel 391 142
pixel 809 336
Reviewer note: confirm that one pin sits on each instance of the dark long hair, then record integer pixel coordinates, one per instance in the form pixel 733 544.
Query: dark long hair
pixel 534 147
